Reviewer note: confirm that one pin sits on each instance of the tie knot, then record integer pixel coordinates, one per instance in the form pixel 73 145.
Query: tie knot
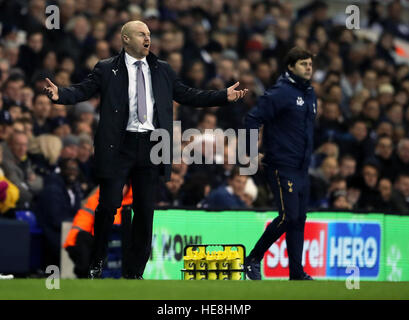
pixel 138 63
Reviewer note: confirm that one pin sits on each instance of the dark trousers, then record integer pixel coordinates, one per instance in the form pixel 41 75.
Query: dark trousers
pixel 80 254
pixel 291 191
pixel 133 165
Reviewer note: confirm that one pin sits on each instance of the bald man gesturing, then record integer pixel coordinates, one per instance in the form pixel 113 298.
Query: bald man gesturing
pixel 136 92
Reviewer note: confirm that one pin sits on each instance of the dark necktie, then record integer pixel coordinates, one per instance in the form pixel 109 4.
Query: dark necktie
pixel 141 93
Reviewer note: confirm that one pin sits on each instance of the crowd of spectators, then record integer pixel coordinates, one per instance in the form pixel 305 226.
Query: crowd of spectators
pixel 361 151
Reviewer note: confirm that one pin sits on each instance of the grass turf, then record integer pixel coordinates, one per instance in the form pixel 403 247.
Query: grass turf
pixel 110 289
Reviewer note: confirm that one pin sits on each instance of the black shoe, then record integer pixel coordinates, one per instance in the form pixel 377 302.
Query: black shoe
pixel 95 270
pixel 304 276
pixel 252 269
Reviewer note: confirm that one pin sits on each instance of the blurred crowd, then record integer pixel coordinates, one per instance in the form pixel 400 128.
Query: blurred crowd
pixel 361 152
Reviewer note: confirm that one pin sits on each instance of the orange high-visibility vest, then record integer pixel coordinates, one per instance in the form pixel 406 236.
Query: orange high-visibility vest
pixel 84 218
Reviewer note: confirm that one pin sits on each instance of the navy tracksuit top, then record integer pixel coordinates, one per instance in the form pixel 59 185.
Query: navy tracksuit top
pixel 288 111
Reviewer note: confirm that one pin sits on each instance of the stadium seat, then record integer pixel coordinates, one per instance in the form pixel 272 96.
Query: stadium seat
pixel 36 239
pixel 31 219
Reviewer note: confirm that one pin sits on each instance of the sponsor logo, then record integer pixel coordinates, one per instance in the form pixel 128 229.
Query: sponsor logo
pixel 329 249
pixel 353 244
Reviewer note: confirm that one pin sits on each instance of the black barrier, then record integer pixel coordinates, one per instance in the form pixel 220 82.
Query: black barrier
pixel 14 246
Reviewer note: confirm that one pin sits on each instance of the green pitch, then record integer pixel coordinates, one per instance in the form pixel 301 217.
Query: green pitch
pixel 199 290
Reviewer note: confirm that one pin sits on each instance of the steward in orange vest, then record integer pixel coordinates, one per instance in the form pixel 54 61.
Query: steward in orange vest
pixel 79 240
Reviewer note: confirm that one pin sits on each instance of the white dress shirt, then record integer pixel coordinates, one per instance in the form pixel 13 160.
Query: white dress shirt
pixel 133 123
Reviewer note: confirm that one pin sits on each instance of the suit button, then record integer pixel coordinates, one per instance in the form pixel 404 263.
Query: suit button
pixel 116 110
pixel 111 146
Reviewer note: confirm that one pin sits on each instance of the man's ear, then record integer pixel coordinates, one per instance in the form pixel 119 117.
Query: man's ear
pixel 289 67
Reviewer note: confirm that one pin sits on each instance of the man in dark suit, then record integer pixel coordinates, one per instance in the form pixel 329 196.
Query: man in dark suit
pixel 136 92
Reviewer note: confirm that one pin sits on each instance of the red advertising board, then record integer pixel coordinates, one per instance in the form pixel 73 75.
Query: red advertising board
pixel 275 262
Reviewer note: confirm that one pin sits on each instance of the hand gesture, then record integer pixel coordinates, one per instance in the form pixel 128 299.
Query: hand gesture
pixel 51 90
pixel 234 95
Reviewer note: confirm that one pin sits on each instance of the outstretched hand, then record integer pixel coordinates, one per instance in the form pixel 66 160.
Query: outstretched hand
pixel 51 90
pixel 234 95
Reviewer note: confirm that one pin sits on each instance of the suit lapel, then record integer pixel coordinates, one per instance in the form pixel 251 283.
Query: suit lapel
pixel 122 82
pixel 153 66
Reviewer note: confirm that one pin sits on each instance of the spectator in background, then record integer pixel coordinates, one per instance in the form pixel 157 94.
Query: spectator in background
pixel 15 112
pixel 391 202
pixel 50 62
pixel 85 152
pixel 337 183
pixel 12 90
pixel 6 125
pixel 41 113
pixel 226 70
pixel 59 201
pixel 385 95
pixel 83 128
pixel 370 196
pixel 369 81
pixel 70 147
pixel 254 51
pixel 394 113
pixel 228 196
pixel 27 94
pixel 384 156
pixel 330 124
pixel 249 193
pixel 175 60
pixel 62 77
pixel 169 192
pixel 44 152
pixel 371 113
pixel 59 126
pixel 394 23
pixel 354 190
pixel 58 110
pixel 77 41
pixel 207 120
pixel 195 190
pixel 18 168
pixel 320 180
pixel 384 128
pixel 30 55
pixel 196 48
pixel 347 166
pixel 9 193
pixel 4 71
pixel 401 159
pixel 327 149
pixel 357 142
pixel 223 171
pixel 338 201
pixel 195 74
pixel 402 188
pixel 264 77
pixel 85 112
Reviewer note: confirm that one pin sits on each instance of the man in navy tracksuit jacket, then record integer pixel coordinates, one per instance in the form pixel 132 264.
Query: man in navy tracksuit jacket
pixel 287 110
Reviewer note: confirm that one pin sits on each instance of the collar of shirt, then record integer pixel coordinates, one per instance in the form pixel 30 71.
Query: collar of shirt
pixel 129 60
pixel 230 190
